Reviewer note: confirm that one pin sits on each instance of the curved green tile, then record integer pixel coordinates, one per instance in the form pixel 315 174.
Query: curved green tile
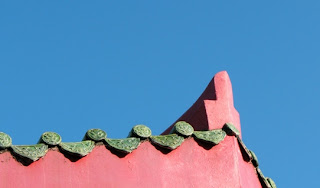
pixel 170 141
pixel 96 134
pixel 264 182
pixel 51 138
pixel 246 154
pixel 5 140
pixel 271 182
pixel 213 136
pixel 33 152
pixel 254 159
pixel 230 129
pixel 82 148
pixel 126 145
pixel 183 128
pixel 141 131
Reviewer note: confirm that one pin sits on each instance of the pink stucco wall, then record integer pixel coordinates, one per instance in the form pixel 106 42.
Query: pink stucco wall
pixel 190 165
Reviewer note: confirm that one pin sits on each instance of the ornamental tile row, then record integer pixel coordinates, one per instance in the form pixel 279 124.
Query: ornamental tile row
pixel 139 133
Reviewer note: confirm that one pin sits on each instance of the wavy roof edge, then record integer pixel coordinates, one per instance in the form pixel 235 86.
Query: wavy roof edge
pixel 27 154
pixel 208 117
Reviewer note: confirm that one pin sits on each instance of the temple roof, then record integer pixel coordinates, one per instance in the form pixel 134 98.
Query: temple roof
pixel 202 133
pixel 181 131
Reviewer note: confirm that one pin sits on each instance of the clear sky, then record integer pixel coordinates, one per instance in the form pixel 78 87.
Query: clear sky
pixel 71 66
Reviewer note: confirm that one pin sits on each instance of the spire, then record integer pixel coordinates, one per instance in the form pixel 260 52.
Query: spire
pixel 214 107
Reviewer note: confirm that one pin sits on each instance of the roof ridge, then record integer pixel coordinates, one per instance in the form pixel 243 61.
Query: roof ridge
pixel 26 154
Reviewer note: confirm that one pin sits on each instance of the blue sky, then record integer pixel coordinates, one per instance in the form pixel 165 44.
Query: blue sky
pixel 71 66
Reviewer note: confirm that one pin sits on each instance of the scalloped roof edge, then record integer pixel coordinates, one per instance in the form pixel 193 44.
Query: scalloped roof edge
pixel 28 154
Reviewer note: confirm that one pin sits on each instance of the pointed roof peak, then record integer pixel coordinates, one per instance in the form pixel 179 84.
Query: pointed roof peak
pixel 219 88
pixel 214 107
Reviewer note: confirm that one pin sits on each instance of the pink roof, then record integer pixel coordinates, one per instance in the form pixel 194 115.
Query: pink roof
pixel 213 155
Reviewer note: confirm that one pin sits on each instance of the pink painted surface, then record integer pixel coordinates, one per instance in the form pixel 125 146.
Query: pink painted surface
pixel 190 165
pixel 214 107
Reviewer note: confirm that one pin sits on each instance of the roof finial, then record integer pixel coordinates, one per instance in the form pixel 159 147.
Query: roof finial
pixel 214 107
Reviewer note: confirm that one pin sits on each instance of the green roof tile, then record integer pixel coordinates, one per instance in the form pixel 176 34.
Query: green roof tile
pixel 126 145
pixel 264 182
pixel 183 128
pixel 50 138
pixel 33 152
pixel 254 159
pixel 170 141
pixel 140 131
pixel 231 130
pixel 213 136
pixel 82 148
pixel 246 154
pixel 5 140
pixel 96 134
pixel 271 182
